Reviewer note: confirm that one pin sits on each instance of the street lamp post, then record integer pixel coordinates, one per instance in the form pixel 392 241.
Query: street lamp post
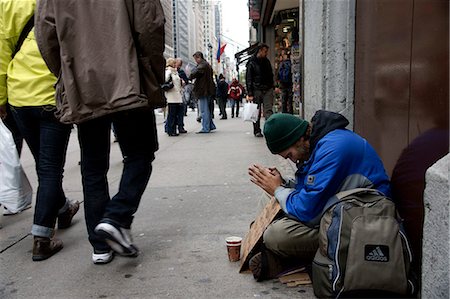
pixel 210 53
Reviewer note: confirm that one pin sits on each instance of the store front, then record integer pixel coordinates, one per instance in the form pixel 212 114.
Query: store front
pixel 277 23
pixel 287 46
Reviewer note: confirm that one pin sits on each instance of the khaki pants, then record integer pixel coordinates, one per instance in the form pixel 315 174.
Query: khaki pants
pixel 289 238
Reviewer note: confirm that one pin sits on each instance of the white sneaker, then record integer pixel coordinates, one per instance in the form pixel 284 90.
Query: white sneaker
pixel 102 258
pixel 118 238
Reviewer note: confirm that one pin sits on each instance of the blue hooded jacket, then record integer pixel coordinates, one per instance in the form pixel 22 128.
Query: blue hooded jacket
pixel 340 160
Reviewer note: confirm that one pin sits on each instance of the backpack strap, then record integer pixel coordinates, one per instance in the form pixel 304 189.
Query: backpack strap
pixel 337 198
pixel 26 30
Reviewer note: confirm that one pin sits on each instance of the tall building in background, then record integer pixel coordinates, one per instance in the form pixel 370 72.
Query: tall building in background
pixel 181 39
pixel 209 39
pixel 218 19
pixel 168 27
pixel 193 25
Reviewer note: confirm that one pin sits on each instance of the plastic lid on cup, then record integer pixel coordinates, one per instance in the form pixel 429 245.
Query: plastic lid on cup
pixel 233 240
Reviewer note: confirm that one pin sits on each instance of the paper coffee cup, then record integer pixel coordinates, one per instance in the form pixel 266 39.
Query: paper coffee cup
pixel 234 248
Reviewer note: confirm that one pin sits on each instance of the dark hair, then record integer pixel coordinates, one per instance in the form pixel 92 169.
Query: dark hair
pixel 221 76
pixel 262 45
pixel 198 54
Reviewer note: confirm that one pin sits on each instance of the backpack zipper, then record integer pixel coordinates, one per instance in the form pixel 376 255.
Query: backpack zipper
pixel 330 269
pixel 336 257
pixel 407 244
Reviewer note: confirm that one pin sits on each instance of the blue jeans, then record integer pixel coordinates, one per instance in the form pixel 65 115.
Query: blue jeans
pixel 234 103
pixel 207 123
pixel 136 133
pixel 47 139
pixel 175 117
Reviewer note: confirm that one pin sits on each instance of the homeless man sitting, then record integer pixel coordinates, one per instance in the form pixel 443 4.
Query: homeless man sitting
pixel 329 159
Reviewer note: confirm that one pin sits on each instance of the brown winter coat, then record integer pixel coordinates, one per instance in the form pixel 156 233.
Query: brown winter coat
pixel 204 84
pixel 107 55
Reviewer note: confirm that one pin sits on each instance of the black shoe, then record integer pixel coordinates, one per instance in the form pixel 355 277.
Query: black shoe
pixel 232 115
pixel 223 118
pixel 182 131
pixel 65 219
pixel 173 134
pixel 118 238
pixel 265 265
pixel 258 134
pixel 43 248
pixel 199 119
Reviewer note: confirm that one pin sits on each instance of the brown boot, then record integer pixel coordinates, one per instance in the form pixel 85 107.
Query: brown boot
pixel 43 248
pixel 65 219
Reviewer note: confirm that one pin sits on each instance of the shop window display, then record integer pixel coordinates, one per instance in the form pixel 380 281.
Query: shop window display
pixel 287 43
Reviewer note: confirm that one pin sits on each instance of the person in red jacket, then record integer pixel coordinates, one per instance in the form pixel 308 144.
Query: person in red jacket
pixel 235 94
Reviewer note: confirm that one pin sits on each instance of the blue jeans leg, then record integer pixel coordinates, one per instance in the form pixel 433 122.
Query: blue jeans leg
pixel 181 109
pixel 172 118
pixel 47 139
pixel 205 112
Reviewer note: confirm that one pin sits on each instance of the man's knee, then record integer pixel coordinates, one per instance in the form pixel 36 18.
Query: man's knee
pixel 275 236
pixel 288 238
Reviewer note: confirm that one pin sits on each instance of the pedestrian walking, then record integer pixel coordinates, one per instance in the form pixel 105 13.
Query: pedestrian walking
pixel 235 95
pixel 222 96
pixel 204 90
pixel 259 79
pixel 108 56
pixel 27 88
pixel 174 100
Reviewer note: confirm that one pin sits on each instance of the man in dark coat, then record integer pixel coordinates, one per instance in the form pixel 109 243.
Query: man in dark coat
pixel 259 79
pixel 222 95
pixel 204 89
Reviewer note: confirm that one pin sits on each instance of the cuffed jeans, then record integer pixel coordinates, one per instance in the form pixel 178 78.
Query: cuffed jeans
pixel 136 132
pixel 47 139
pixel 207 123
pixel 263 98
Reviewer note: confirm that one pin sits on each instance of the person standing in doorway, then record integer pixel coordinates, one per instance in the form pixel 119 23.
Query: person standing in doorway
pixel 285 81
pixel 204 90
pixel 259 79
pixel 107 73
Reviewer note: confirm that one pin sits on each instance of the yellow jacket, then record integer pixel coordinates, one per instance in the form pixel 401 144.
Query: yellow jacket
pixel 24 80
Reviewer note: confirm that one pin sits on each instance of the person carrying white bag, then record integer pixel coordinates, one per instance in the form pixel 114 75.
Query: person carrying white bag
pixel 15 189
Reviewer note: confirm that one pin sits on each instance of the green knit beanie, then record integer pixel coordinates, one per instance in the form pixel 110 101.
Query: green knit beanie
pixel 283 130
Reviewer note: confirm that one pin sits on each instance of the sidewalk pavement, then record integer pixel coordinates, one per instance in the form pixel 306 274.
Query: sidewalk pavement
pixel 199 194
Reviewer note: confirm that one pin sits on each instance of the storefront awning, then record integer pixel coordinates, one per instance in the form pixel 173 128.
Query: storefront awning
pixel 245 54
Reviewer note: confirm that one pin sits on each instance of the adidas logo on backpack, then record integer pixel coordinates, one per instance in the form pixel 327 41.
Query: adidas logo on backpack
pixel 362 248
pixel 377 254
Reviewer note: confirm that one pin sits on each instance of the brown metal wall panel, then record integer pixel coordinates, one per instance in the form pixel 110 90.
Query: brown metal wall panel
pixel 428 116
pixel 401 96
pixel 382 75
pixel 429 67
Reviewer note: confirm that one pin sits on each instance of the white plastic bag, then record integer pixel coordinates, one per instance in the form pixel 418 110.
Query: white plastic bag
pixel 251 112
pixel 15 189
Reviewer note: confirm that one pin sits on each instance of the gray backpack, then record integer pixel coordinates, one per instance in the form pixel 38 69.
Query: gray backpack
pixel 363 250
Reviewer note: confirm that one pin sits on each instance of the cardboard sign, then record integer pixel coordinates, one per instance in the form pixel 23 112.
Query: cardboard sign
pixel 267 215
